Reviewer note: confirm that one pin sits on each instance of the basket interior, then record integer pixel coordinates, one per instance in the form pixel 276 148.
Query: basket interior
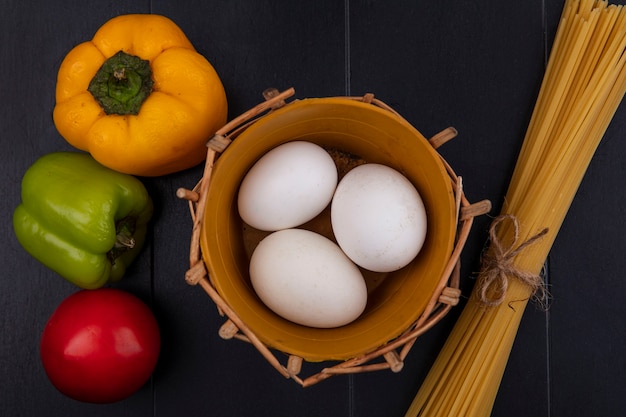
pixel 361 132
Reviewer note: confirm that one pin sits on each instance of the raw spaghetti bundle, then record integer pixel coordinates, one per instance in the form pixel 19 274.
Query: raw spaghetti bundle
pixel 582 88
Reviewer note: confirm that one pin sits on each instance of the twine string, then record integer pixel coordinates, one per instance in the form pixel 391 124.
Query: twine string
pixel 498 266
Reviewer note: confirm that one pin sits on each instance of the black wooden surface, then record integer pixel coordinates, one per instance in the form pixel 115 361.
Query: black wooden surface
pixel 475 65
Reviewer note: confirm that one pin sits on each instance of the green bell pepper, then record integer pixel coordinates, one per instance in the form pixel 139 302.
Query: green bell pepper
pixel 82 220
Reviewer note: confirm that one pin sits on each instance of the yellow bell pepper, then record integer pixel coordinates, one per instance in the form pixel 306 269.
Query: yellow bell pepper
pixel 139 97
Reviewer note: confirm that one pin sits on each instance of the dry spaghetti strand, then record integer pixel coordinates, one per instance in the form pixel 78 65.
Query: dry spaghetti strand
pixel 584 83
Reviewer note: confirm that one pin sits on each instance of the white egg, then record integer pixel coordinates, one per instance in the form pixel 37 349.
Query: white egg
pixel 378 218
pixel 304 277
pixel 288 186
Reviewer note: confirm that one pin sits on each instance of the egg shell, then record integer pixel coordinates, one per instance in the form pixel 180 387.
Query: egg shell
pixel 306 278
pixel 288 186
pixel 378 218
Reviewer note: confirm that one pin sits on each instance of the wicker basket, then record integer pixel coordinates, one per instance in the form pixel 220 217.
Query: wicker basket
pixel 404 307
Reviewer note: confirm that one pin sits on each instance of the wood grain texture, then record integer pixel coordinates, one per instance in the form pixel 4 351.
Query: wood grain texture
pixel 473 65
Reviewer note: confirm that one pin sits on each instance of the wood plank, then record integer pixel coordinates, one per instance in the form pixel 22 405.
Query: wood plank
pixel 253 46
pixel 475 66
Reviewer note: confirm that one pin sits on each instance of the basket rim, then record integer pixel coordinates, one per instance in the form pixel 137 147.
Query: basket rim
pixel 400 300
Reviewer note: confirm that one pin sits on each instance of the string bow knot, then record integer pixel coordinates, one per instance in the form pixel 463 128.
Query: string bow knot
pixel 498 265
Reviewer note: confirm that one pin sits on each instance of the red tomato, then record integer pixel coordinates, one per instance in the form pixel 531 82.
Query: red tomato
pixel 100 346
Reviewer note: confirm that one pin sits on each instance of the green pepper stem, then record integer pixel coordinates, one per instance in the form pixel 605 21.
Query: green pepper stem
pixel 122 84
pixel 124 240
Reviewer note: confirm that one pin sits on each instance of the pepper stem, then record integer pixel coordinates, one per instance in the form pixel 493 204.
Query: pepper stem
pixel 122 84
pixel 124 240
